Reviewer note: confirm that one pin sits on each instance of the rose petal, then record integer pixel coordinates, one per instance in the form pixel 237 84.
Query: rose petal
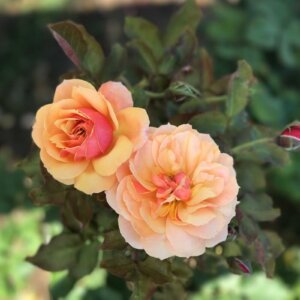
pixel 61 169
pixel 40 125
pixel 117 94
pixel 134 122
pixel 184 244
pixel 129 234
pixel 64 90
pixel 109 163
pixel 89 182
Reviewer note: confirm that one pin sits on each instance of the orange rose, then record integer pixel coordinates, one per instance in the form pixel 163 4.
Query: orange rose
pixel 176 195
pixel 85 135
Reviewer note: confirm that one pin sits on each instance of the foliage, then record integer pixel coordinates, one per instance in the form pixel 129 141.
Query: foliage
pixel 170 75
pixel 265 34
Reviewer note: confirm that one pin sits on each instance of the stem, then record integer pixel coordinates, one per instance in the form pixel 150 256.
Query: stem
pixel 155 95
pixel 244 146
pixel 215 99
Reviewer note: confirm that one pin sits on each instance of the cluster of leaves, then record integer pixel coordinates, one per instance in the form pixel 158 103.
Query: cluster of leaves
pixel 265 33
pixel 172 77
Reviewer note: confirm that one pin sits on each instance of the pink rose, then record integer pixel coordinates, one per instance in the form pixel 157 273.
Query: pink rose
pixel 176 195
pixel 85 135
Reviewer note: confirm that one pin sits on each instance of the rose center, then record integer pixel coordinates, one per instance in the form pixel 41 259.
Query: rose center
pixel 172 188
pixel 87 135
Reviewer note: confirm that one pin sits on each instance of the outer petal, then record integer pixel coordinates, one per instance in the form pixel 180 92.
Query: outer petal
pixel 90 182
pixel 157 246
pixel 64 90
pixel 90 98
pixel 184 244
pixel 117 94
pixel 61 170
pixel 40 125
pixel 134 122
pixel 129 234
pixel 109 163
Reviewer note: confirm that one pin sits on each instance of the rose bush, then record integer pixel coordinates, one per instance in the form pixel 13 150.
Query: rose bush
pixel 85 135
pixel 176 195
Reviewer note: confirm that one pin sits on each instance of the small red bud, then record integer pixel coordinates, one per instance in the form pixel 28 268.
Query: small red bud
pixel 290 137
pixel 244 266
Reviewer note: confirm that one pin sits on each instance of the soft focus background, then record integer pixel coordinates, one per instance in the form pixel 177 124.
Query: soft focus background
pixel 266 33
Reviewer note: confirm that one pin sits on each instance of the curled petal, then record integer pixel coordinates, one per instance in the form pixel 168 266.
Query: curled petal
pixel 109 163
pixel 65 89
pixel 117 94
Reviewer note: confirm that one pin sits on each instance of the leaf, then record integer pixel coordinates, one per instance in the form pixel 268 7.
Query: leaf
pixel 188 17
pixel 87 260
pixel 113 240
pixel 143 289
pixel 81 206
pixel 213 122
pixel 146 55
pixel 248 228
pixel 239 91
pixel 119 264
pixel 251 177
pixel 62 288
pixel 259 207
pixel 192 106
pixel 114 64
pixel 82 48
pixel 140 98
pixel 59 254
pixel 159 271
pixel 184 89
pixel 289 48
pixel 181 269
pixel 271 153
pixel 148 33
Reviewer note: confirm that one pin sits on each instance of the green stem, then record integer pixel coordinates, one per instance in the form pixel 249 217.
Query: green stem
pixel 215 99
pixel 241 147
pixel 155 95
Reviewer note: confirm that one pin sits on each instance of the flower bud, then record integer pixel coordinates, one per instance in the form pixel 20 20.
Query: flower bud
pixel 290 137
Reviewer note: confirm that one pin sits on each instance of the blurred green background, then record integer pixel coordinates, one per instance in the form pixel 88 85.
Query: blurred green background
pixel 266 33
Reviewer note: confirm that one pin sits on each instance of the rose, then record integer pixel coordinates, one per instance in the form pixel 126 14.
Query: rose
pixel 85 135
pixel 176 195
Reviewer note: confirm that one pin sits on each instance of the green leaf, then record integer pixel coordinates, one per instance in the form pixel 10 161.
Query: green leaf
pixel 59 254
pixel 146 54
pixel 184 89
pixel 113 240
pixel 143 289
pixel 119 264
pixel 87 260
pixel 248 228
pixel 82 48
pixel 259 207
pixel 159 271
pixel 181 269
pixel 239 91
pixel 213 122
pixel 62 288
pixel 188 17
pixel 192 106
pixel 140 98
pixel 148 33
pixel 114 63
pixel 81 206
pixel 251 177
